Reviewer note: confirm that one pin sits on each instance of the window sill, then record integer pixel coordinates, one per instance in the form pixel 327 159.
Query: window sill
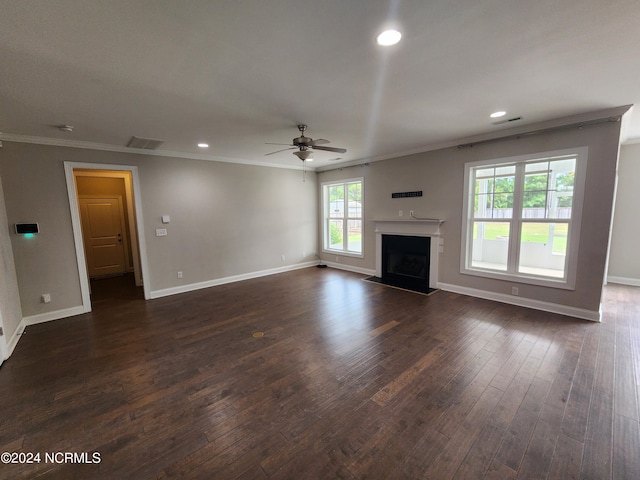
pixel 562 284
pixel 343 253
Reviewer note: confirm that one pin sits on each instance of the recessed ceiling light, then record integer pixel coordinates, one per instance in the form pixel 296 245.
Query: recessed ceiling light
pixel 203 145
pixel 389 37
pixel 498 114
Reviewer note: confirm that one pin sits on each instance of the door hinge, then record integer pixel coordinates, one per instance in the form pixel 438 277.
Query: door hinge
pixel 1 331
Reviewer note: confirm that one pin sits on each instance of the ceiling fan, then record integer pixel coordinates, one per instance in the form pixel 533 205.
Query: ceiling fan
pixel 305 145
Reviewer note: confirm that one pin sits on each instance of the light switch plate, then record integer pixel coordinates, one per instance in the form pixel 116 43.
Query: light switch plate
pixel 161 232
pixel 166 218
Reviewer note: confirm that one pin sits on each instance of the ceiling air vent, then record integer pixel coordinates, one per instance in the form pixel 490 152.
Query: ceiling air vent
pixel 144 143
pixel 501 122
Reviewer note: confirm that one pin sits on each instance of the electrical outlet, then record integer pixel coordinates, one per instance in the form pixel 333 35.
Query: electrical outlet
pixel 400 213
pixel 46 297
pixel 282 257
pixel 179 274
pixel 411 213
pixel 514 291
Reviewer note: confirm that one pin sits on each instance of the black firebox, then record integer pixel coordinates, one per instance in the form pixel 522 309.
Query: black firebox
pixel 405 262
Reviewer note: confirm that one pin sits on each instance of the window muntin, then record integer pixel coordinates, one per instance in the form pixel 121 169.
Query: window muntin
pixel 548 188
pixel 521 218
pixel 343 213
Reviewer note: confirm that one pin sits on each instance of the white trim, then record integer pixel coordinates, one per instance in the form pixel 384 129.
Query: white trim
pixel 54 315
pixel 594 316
pixel 80 309
pixel 77 235
pixel 13 341
pixel 165 292
pixel 77 228
pixel 4 350
pixel 491 136
pixel 40 318
pixel 581 154
pixel 58 142
pixel 127 178
pixel 417 228
pixel 634 282
pixel 346 218
pixel 350 268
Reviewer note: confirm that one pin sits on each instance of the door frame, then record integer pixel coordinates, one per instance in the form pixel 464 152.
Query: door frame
pixel 69 168
pixel 4 350
pixel 123 224
pixel 131 214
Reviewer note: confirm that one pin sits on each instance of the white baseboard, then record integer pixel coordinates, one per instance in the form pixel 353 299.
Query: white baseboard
pixel 594 316
pixel 350 268
pixel 634 282
pixel 70 312
pixel 13 341
pixel 55 315
pixel 165 292
pixel 40 318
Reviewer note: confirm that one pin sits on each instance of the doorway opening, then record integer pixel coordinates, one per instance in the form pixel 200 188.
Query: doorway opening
pixel 107 225
pixel 111 290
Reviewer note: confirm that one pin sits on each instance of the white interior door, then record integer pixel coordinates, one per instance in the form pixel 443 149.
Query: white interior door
pixel 103 234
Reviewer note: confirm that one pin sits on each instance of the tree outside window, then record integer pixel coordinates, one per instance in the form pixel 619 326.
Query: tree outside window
pixel 521 218
pixel 343 216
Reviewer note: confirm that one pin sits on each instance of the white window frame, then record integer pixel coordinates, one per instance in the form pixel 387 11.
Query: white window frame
pixel 326 219
pixel 511 274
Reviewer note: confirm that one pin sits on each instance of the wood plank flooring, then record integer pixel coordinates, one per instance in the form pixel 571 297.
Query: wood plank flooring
pixel 351 380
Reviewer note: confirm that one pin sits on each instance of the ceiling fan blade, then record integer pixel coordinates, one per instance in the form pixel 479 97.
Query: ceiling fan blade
pixel 271 143
pixel 278 151
pixel 330 149
pixel 319 141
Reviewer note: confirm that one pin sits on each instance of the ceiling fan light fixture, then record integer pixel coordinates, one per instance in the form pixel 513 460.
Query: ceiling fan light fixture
pixel 304 155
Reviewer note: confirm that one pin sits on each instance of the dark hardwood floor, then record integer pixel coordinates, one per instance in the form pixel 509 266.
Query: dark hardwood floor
pixel 350 380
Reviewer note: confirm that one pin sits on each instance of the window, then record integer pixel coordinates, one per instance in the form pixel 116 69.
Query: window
pixel 342 205
pixel 522 217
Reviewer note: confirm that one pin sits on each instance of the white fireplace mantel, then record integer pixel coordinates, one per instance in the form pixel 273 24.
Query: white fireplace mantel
pixel 418 228
pixel 430 227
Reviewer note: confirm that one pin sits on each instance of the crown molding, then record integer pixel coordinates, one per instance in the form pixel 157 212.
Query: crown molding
pixel 105 147
pixel 496 135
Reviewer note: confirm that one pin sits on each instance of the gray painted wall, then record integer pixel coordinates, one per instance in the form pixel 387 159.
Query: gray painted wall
pixel 624 259
pixel 229 219
pixel 226 219
pixel 440 175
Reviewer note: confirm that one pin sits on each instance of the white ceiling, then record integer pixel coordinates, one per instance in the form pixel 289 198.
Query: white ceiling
pixel 237 74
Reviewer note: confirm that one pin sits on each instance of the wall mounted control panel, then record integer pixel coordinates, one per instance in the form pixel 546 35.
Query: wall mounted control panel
pixel 27 228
